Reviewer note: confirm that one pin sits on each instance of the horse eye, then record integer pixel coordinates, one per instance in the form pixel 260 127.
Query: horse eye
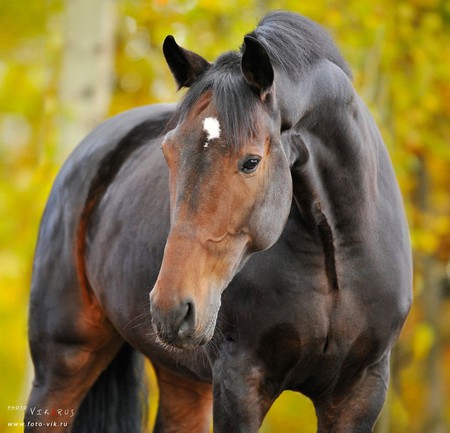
pixel 249 166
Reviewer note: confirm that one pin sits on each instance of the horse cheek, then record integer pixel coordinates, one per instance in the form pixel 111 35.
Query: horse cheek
pixel 272 211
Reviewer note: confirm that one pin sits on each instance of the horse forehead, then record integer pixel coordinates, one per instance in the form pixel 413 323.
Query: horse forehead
pixel 207 130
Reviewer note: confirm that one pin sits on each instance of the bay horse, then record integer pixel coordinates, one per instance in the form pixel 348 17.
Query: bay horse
pixel 250 240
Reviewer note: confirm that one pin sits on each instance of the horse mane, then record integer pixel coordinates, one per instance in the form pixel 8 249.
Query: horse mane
pixel 293 43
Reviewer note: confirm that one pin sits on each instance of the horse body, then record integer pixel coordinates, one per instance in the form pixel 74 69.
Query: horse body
pixel 316 310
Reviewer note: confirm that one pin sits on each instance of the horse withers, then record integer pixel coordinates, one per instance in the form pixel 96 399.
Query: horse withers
pixel 248 241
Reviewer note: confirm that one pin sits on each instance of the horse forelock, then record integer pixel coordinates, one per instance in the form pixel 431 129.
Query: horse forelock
pixel 223 86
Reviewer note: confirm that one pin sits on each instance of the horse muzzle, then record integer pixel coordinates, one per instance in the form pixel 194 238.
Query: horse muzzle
pixel 185 300
pixel 178 324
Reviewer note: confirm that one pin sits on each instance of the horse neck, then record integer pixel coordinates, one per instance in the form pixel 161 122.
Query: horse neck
pixel 333 142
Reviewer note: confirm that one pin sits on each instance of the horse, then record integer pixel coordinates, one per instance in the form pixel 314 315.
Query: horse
pixel 249 240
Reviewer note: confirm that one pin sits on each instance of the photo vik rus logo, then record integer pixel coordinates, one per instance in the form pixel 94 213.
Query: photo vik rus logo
pixel 53 416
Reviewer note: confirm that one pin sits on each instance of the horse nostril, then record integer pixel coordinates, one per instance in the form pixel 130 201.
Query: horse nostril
pixel 188 321
pixel 174 323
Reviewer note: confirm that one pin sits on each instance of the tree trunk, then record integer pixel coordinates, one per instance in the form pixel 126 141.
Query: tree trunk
pixel 87 68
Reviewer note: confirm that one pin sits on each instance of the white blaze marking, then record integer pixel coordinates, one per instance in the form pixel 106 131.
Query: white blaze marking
pixel 212 127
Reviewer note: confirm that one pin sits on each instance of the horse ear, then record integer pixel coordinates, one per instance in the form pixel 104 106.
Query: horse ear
pixel 256 67
pixel 186 66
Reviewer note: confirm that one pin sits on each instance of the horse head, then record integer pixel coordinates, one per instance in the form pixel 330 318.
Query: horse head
pixel 230 185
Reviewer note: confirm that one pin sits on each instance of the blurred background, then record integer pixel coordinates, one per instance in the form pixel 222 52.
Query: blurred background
pixel 67 65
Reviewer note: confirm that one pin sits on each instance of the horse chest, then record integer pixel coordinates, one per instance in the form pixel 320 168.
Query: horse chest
pixel 302 346
pixel 283 314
